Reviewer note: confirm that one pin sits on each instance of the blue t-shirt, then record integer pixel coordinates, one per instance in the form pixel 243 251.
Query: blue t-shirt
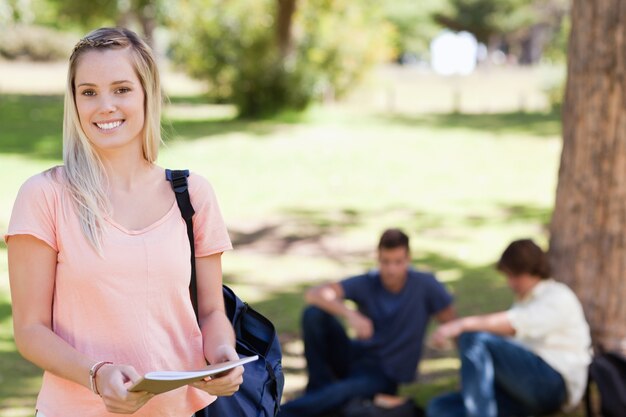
pixel 400 320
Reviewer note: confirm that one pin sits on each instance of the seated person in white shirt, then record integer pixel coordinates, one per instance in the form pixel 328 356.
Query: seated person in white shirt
pixel 528 361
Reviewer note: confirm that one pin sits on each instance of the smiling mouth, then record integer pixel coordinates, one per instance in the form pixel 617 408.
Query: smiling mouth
pixel 109 125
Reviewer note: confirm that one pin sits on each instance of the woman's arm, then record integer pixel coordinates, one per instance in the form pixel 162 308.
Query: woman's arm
pixel 32 271
pixel 217 331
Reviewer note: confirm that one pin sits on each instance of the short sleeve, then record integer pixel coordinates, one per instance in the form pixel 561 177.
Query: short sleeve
pixel 210 233
pixel 540 317
pixel 34 211
pixel 354 288
pixel 438 297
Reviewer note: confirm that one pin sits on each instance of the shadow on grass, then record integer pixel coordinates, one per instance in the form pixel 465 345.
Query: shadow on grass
pixel 316 232
pixel 217 119
pixel 5 311
pixel 284 308
pixel 31 125
pixel 535 124
pixel 300 230
pixel 201 129
pixel 510 213
pixel 476 289
pixel 286 116
pixel 187 99
pixel 19 379
pixel 527 212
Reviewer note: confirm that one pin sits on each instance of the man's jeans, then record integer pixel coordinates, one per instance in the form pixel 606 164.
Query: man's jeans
pixel 500 378
pixel 339 369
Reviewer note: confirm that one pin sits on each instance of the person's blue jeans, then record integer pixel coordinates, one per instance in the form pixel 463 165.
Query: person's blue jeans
pixel 500 378
pixel 339 369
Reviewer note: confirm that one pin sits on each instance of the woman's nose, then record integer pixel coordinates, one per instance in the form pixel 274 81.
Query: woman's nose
pixel 107 105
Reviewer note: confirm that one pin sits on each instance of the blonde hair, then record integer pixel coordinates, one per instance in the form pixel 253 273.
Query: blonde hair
pixel 84 172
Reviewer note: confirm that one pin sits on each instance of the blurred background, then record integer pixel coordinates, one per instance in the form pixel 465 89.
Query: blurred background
pixel 320 123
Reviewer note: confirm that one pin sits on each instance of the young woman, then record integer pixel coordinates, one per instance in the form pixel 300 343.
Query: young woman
pixel 99 257
pixel 530 360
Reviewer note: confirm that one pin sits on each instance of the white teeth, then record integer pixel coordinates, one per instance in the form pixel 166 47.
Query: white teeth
pixel 108 126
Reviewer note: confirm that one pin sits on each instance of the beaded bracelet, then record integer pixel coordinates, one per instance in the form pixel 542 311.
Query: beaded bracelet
pixel 92 375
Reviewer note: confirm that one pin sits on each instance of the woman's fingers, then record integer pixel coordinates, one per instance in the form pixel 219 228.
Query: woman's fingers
pixel 113 382
pixel 223 385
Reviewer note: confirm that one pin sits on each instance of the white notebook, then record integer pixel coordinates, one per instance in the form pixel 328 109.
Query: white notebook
pixel 162 381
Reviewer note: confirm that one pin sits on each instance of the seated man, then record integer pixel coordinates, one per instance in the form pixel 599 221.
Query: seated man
pixel 529 360
pixel 394 305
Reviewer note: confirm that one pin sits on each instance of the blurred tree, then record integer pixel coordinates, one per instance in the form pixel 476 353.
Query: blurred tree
pixel 530 29
pixel 270 55
pixel 523 27
pixel 483 18
pixel 16 11
pixel 27 12
pixel 588 243
pixel 27 31
pixel 95 13
pixel 556 49
pixel 414 24
pixel 286 10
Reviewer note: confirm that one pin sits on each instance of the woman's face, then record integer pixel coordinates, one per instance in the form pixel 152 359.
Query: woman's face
pixel 109 99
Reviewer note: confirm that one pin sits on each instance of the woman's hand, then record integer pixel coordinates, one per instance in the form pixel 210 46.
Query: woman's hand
pixel 112 382
pixel 225 383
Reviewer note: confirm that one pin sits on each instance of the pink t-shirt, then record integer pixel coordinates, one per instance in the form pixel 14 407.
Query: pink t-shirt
pixel 130 306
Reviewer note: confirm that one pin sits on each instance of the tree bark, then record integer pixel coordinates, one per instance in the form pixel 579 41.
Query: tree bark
pixel 286 9
pixel 588 230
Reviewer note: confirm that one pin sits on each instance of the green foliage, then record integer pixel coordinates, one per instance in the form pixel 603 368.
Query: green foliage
pixel 86 14
pixel 139 15
pixel 12 11
pixel 525 27
pixel 483 18
pixel 414 24
pixel 556 51
pixel 27 12
pixel 234 46
pixel 555 91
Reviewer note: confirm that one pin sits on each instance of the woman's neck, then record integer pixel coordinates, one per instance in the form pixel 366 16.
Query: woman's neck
pixel 125 170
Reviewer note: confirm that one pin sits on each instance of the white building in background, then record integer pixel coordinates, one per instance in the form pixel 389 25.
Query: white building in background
pixel 454 53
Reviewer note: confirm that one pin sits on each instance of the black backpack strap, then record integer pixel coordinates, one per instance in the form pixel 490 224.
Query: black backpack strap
pixel 180 185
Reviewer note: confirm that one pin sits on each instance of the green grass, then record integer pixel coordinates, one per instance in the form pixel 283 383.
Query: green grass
pixel 306 197
pixel 19 380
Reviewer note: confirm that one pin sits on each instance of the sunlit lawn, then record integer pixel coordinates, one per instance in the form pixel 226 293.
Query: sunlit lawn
pixel 306 197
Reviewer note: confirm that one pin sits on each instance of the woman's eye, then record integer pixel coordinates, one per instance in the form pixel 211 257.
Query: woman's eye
pixel 88 93
pixel 123 90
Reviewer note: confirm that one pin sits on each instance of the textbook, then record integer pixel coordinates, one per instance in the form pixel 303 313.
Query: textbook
pixel 162 381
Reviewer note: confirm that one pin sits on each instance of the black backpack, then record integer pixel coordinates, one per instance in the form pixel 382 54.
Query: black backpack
pixel 608 372
pixel 260 393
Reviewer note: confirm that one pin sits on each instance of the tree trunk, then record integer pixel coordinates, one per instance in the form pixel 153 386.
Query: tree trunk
pixel 533 44
pixel 588 230
pixel 148 23
pixel 286 9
